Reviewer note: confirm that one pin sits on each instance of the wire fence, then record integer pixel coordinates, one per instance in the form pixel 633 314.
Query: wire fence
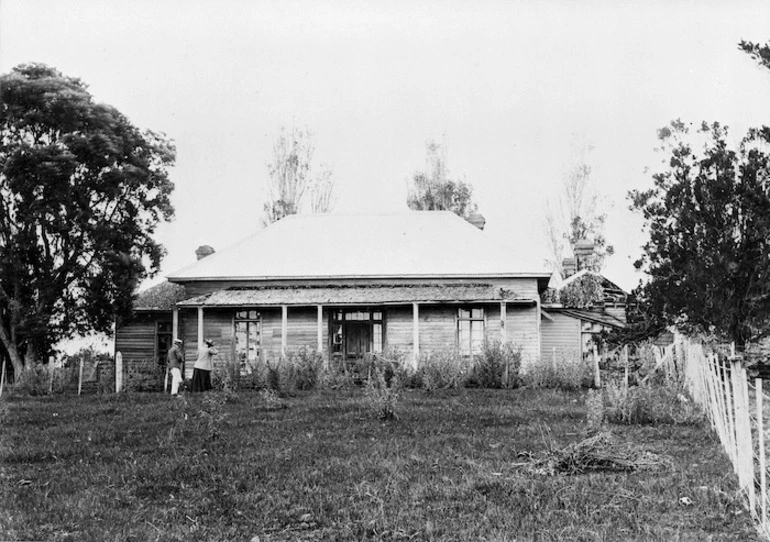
pixel 736 410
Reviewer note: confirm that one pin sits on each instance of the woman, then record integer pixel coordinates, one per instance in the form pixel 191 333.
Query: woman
pixel 201 380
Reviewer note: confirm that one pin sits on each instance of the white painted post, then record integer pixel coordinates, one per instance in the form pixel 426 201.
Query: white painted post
pixel 2 379
pixel 284 329
pixel 748 442
pixel 320 329
pixel 80 376
pixel 174 324
pixel 118 372
pixel 597 372
pixel 200 328
pixel 727 384
pixel 762 460
pixel 503 320
pixel 165 381
pixel 416 333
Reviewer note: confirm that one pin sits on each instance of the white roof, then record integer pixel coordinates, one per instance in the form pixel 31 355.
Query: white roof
pixel 401 245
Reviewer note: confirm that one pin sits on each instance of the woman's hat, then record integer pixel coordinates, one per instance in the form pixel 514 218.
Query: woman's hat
pixel 209 342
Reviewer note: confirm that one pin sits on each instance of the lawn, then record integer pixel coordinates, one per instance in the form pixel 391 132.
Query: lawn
pixel 319 466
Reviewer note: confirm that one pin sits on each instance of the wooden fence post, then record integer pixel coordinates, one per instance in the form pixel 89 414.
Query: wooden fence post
pixel 80 376
pixel 2 379
pixel 727 381
pixel 748 441
pixel 597 372
pixel 625 358
pixel 762 460
pixel 118 372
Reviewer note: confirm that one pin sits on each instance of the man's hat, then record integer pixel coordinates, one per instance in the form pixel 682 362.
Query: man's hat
pixel 177 341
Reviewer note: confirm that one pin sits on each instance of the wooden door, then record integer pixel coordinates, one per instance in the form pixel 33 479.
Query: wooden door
pixel 358 339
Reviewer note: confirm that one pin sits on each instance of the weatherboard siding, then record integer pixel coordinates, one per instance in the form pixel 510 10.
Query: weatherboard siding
pixel 136 339
pixel 562 335
pixel 522 330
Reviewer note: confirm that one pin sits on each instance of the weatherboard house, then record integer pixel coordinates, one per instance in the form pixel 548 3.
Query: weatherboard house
pixel 347 286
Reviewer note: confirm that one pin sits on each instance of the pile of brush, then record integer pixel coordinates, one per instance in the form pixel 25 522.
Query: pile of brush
pixel 600 452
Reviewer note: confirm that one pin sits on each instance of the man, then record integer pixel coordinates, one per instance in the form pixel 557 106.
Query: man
pixel 175 361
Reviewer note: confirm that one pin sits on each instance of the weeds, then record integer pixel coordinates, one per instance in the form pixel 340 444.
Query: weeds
pixel 562 370
pixel 649 404
pixel 497 366
pixel 382 394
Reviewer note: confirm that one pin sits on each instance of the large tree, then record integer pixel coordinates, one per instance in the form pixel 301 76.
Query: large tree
pixel 292 175
pixel 577 215
pixel 82 191
pixel 757 51
pixel 435 190
pixel 708 217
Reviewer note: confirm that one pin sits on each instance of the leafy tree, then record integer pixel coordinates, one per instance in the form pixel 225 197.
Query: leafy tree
pixel 759 52
pixel 82 193
pixel 708 216
pixel 291 176
pixel 577 216
pixel 435 190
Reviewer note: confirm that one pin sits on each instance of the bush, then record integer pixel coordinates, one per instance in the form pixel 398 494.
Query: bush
pixel 143 376
pixel 44 380
pixel 567 371
pixel 308 365
pixel 382 394
pixel 649 404
pixel 443 369
pixel 497 366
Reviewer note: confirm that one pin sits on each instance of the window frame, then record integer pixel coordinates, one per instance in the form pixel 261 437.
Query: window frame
pixel 248 320
pixel 478 320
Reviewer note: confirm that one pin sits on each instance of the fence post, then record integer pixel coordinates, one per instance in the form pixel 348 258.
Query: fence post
pixel 748 441
pixel 118 372
pixel 597 372
pixel 762 459
pixel 80 376
pixel 727 385
pixel 165 381
pixel 2 379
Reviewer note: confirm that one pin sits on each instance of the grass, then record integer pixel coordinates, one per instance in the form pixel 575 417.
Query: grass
pixel 138 467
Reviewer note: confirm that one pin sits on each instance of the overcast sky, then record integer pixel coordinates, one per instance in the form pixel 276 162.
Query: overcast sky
pixel 509 86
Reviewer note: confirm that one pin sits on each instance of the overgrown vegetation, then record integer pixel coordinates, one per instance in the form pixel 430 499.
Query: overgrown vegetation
pixel 109 467
pixel 566 370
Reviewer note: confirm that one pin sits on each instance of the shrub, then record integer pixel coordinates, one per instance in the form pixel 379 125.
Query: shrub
pixel 442 369
pixel 595 409
pixel 566 371
pixel 382 395
pixel 226 375
pixel 497 366
pixel 308 365
pixel 649 404
pixel 282 376
pixel 143 376
pixel 44 380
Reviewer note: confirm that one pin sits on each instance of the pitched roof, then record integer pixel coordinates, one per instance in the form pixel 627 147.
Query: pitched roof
pixel 330 246
pixel 606 283
pixel 355 295
pixel 161 297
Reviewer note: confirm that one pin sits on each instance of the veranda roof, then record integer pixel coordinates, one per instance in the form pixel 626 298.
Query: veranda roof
pixel 414 244
pixel 355 295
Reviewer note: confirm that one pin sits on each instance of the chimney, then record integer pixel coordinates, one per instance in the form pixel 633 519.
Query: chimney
pixel 203 251
pixel 569 267
pixel 583 250
pixel 478 220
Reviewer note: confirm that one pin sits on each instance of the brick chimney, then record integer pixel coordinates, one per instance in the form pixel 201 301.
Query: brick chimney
pixel 583 250
pixel 203 251
pixel 478 220
pixel 569 267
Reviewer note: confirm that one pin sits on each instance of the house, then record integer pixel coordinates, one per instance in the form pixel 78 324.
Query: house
pixel 345 285
pixel 575 312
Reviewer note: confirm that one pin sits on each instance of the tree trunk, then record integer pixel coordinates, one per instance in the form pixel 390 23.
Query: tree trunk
pixel 13 353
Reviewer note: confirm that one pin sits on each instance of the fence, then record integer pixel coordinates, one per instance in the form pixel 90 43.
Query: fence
pixel 735 409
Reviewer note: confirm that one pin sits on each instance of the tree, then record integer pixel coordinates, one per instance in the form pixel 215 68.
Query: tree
pixel 82 193
pixel 292 174
pixel 576 216
pixel 759 52
pixel 435 190
pixel 708 217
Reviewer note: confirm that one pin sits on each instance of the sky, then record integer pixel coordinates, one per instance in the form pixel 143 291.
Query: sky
pixel 510 88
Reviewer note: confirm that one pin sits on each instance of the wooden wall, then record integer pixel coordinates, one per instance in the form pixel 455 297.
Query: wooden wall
pixel 136 339
pixel 437 324
pixel 562 335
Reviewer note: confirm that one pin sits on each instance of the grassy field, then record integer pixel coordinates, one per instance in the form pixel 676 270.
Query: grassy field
pixel 321 467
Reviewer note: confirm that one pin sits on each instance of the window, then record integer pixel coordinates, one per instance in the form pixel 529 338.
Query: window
pixel 248 339
pixel 163 336
pixel 470 330
pixel 356 332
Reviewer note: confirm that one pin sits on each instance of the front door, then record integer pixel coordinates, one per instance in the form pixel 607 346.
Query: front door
pixel 358 339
